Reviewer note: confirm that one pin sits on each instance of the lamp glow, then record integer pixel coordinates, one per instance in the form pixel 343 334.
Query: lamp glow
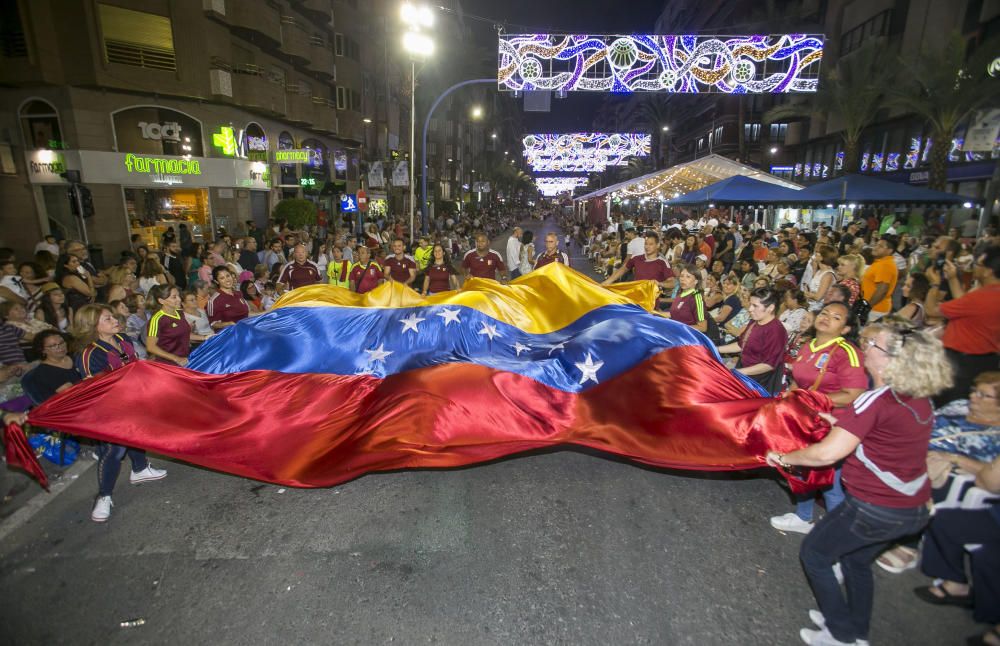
pixel 418 44
pixel 420 16
pixel 477 112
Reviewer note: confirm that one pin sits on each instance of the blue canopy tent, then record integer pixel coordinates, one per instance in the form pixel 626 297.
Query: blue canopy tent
pixel 738 189
pixel 862 189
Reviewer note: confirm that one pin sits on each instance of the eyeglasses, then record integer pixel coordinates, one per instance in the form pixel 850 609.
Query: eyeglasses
pixel 983 395
pixel 872 343
pixel 53 346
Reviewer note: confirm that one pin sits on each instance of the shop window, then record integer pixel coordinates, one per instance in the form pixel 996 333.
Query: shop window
pixel 40 125
pixel 152 211
pixel 137 38
pixel 289 173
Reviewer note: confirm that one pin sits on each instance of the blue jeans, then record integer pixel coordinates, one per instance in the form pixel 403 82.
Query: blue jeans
pixel 854 534
pixel 833 496
pixel 109 464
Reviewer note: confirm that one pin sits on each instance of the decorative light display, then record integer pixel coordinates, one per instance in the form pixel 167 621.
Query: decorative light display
pixel 552 186
pixel 760 64
pixel 583 151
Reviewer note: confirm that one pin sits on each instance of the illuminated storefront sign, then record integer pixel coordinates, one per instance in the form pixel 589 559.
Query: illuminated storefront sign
pixel 225 140
pixel 295 156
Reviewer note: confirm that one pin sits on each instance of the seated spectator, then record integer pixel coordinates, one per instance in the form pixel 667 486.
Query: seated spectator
pixel 121 284
pixel 762 344
pixel 793 308
pixel 915 290
pixel 11 285
pixel 252 296
pixel 75 281
pixel 55 371
pixel 196 317
pixel 730 305
pixel 850 267
pixel 17 315
pixel 152 274
pixel 822 277
pixel 746 273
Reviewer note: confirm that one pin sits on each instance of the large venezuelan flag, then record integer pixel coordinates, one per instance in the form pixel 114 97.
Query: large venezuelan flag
pixel 330 385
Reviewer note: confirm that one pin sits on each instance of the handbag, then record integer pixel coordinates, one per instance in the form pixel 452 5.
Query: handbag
pixel 57 448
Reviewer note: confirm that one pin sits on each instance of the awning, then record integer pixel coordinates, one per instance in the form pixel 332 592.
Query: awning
pixel 869 190
pixel 738 189
pixel 685 178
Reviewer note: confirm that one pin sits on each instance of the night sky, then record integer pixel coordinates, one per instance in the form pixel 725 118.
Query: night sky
pixel 575 112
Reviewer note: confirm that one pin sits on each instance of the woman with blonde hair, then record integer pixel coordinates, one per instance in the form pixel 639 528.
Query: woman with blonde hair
pixel 121 283
pixel 850 268
pixel 882 438
pixel 104 347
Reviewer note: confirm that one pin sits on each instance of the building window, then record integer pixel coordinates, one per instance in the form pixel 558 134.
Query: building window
pixel 718 134
pixel 751 132
pixel 877 25
pixel 40 125
pixel 701 144
pixel 137 38
pixel 338 44
pixel 778 132
pixel 341 97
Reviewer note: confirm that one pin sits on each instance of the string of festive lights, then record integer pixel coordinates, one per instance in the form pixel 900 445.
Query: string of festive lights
pixel 552 186
pixel 756 64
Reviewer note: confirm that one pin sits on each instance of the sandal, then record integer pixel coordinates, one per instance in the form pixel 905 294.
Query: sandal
pixel 944 599
pixel 980 640
pixel 898 560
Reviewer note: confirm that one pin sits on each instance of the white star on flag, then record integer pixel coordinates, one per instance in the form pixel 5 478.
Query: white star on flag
pixel 490 331
pixel 518 348
pixel 379 353
pixel 411 322
pixel 589 369
pixel 558 346
pixel 449 316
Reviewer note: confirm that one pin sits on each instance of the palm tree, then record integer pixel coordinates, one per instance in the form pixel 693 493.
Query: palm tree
pixel 944 88
pixel 854 91
pixel 649 113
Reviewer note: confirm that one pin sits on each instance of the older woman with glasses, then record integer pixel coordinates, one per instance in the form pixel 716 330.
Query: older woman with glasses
pixel 882 439
pixel 55 372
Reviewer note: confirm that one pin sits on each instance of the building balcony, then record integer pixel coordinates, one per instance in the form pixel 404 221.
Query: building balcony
pixel 259 18
pixel 320 11
pixel 325 115
pixel 258 91
pixel 300 106
pixel 321 57
pixel 294 39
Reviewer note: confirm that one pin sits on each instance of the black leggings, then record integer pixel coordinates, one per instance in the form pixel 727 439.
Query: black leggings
pixel 109 464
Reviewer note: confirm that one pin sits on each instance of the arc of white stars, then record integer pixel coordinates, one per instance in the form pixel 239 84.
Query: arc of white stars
pixel 449 316
pixel 557 346
pixel 379 353
pixel 490 331
pixel 589 369
pixel 411 322
pixel 519 348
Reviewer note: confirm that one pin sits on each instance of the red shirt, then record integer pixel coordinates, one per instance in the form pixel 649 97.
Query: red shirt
pixel 228 308
pixel 297 275
pixel 545 259
pixel 440 278
pixel 483 266
pixel 399 269
pixel 173 333
pixel 843 362
pixel 688 308
pixel 643 269
pixel 366 277
pixel 764 344
pixel 894 440
pixel 973 321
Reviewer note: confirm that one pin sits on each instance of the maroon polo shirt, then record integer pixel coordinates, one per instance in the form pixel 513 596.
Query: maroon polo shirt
pixel 297 275
pixel 173 333
pixel 440 278
pixel 644 269
pixel 366 277
pixel 399 268
pixel 764 344
pixel 546 259
pixel 483 266
pixel 228 308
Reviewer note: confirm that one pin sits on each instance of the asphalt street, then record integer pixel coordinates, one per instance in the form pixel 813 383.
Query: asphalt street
pixel 555 547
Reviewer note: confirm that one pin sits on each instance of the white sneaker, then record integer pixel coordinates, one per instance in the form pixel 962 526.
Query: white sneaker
pixel 817 618
pixel 147 475
pixel 822 638
pixel 102 509
pixel 790 522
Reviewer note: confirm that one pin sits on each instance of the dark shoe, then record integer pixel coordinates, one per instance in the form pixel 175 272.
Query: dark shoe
pixel 944 599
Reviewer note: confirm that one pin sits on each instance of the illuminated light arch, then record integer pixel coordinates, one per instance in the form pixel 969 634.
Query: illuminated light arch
pixel 755 64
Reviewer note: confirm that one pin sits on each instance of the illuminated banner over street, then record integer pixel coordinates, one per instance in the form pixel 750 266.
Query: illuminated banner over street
pixel 777 63
pixel 583 151
pixel 551 186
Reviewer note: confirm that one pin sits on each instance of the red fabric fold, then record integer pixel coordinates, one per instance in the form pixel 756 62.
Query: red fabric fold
pixel 679 409
pixel 19 454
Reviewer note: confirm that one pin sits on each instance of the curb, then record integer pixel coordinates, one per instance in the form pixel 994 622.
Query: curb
pixel 42 498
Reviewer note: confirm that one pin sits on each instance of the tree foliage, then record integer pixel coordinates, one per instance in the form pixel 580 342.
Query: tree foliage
pixel 297 212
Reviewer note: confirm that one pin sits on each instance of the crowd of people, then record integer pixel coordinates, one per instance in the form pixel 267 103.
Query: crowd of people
pixel 889 322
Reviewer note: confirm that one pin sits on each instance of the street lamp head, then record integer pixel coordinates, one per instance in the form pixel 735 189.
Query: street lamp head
pixel 774 149
pixel 367 120
pixel 665 128
pixel 477 112
pixel 418 44
pixel 506 152
pixel 416 16
pixel 493 136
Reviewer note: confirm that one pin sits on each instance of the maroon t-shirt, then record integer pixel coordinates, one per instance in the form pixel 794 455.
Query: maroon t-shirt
pixel 366 277
pixel 894 439
pixel 399 269
pixel 297 275
pixel 643 269
pixel 764 344
pixel 228 308
pixel 440 278
pixel 173 333
pixel 688 308
pixel 483 266
pixel 545 259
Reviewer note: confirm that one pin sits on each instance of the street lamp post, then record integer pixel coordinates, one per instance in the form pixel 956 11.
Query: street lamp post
pixel 419 45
